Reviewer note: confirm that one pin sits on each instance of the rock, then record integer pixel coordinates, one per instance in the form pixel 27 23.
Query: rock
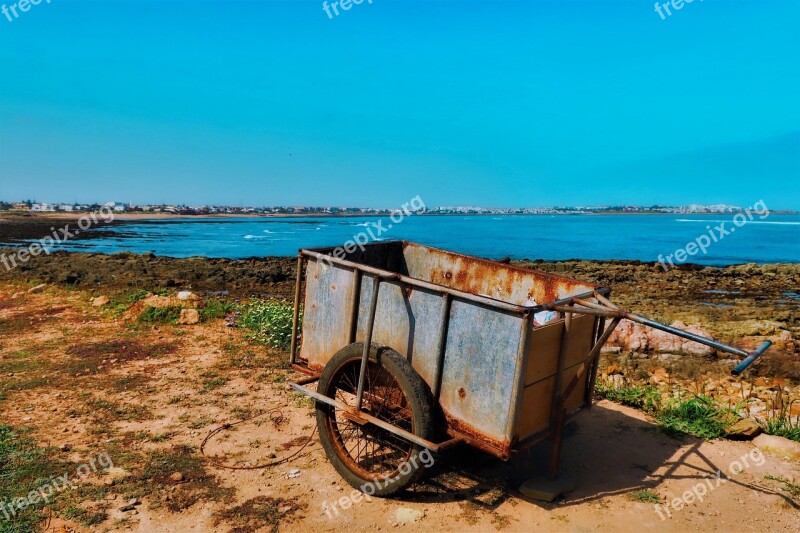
pixel 745 429
pixel 188 295
pixel 635 337
pixel 38 288
pixel 100 301
pixel 407 515
pixel 778 446
pixel 189 317
pixel 177 477
pixel 293 473
pixel 618 380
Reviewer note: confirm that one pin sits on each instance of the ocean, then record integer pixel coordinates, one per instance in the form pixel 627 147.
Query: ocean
pixel 775 239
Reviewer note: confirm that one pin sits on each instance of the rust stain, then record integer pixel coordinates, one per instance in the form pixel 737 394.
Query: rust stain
pixel 474 437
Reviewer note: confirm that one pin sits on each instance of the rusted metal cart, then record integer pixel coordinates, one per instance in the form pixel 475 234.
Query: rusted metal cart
pixel 418 348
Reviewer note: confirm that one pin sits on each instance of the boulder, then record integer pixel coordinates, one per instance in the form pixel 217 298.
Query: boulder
pixel 744 429
pixel 778 446
pixel 189 317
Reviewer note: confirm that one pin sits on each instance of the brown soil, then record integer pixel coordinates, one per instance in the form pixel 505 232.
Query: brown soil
pixel 150 395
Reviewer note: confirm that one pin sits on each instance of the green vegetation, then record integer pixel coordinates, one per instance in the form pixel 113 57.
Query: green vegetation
pixel 697 415
pixel 270 320
pixel 646 496
pixel 216 309
pixel 788 486
pixel 640 396
pixel 86 518
pixel 24 467
pixel 783 426
pixel 160 315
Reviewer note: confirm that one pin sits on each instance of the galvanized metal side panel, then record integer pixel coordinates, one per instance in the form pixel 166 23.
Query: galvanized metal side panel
pixel 478 381
pixel 326 312
pixel 407 320
pixel 480 358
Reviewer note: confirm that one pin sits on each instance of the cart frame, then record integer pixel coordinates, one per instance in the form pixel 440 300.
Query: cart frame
pixel 569 307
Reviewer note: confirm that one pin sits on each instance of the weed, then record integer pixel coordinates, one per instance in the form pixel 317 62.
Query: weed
pixel 646 496
pixel 788 486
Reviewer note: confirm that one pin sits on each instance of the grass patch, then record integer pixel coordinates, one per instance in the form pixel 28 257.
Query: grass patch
pixel 270 321
pixel 699 416
pixel 160 315
pixel 258 513
pixel 216 309
pixel 197 485
pixel 640 396
pixel 783 427
pixel 86 518
pixel 115 411
pixel 212 381
pixel 645 496
pixel 25 467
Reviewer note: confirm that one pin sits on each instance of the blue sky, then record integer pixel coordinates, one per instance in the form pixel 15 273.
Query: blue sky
pixel 483 103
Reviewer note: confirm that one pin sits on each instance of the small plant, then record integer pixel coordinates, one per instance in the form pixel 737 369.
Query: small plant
pixel 780 421
pixel 271 321
pixel 646 496
pixel 788 486
pixel 160 315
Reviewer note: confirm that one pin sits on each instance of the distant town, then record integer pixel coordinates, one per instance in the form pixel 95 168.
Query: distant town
pixel 30 206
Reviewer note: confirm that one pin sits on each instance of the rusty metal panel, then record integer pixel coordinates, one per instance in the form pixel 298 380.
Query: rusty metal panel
pixel 507 283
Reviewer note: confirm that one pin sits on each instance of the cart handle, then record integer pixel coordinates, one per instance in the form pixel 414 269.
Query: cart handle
pixel 603 307
pixel 741 367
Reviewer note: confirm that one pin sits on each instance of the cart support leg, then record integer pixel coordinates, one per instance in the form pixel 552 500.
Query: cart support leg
pixel 296 316
pixel 557 403
pixel 373 305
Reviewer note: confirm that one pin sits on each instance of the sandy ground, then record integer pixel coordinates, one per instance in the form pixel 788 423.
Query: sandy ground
pixel 101 383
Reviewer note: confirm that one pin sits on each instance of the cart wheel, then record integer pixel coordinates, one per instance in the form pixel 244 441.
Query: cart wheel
pixel 372 459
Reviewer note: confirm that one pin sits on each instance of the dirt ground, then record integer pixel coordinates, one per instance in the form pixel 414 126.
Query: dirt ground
pixel 88 381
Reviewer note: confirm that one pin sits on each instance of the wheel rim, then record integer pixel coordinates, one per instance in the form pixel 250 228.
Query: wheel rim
pixel 369 451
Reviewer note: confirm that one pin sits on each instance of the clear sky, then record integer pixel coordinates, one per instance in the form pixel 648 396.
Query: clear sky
pixel 519 103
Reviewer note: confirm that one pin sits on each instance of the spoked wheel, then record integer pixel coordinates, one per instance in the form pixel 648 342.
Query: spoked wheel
pixel 370 458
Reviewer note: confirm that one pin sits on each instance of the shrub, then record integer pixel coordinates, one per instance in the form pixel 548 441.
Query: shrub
pixel 271 322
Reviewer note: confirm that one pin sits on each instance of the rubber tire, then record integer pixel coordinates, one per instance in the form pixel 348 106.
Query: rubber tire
pixel 415 390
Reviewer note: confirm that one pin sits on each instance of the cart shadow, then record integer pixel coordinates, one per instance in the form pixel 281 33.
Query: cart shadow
pixel 605 452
